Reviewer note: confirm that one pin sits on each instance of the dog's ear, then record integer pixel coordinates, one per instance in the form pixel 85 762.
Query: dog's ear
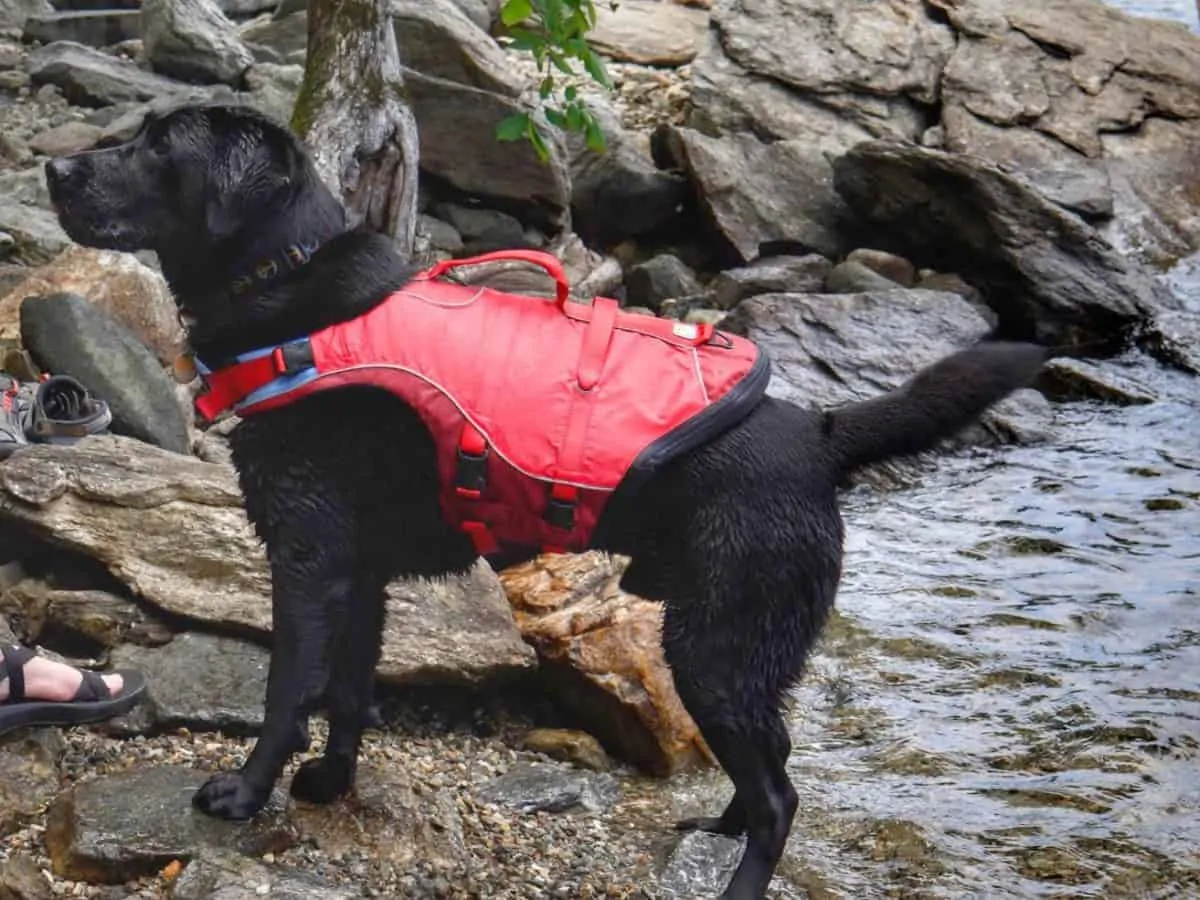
pixel 255 171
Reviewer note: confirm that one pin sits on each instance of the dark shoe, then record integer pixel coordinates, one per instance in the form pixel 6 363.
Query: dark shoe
pixel 93 702
pixel 63 411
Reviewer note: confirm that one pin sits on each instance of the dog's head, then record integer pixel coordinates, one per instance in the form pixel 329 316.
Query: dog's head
pixel 201 185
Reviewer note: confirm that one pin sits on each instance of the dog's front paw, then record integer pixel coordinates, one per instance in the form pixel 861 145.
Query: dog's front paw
pixel 323 780
pixel 228 795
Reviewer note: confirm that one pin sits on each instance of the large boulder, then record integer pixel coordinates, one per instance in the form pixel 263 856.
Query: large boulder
pixel 88 77
pixel 762 197
pixel 15 12
pixel 461 87
pixel 1044 270
pixel 827 350
pixel 601 657
pixel 172 528
pixel 829 72
pixel 649 32
pixel 193 40
pixel 1099 110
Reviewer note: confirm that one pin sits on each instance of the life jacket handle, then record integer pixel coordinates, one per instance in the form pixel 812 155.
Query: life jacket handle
pixel 546 261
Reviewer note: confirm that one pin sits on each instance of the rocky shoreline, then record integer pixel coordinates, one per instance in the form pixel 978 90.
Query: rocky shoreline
pixel 947 171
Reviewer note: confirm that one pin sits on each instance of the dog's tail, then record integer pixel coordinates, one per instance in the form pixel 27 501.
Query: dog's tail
pixel 935 404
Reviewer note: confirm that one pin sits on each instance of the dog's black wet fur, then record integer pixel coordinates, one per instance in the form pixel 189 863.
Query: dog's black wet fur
pixel 741 539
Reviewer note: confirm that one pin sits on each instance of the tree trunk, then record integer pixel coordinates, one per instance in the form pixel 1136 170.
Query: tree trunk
pixel 353 115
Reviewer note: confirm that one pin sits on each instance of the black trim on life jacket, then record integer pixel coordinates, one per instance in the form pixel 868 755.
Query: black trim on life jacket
pixel 738 402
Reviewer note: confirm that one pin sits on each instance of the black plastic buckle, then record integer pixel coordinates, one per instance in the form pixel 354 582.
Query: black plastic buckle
pixel 293 358
pixel 471 476
pixel 560 513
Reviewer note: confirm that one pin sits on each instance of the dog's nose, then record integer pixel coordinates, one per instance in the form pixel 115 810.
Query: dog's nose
pixel 58 170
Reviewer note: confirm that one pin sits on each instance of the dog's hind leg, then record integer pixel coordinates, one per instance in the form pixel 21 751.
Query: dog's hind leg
pixel 354 655
pixel 748 738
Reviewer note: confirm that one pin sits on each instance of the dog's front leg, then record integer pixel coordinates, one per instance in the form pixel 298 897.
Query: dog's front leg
pixel 308 579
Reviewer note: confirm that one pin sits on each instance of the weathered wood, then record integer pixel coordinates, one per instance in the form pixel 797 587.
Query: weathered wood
pixel 354 116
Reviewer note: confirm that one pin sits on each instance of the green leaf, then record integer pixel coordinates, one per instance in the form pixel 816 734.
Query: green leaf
pixel 539 142
pixel 515 11
pixel 595 68
pixel 595 136
pixel 576 117
pixel 546 88
pixel 513 128
pixel 571 93
pixel 560 62
pixel 556 118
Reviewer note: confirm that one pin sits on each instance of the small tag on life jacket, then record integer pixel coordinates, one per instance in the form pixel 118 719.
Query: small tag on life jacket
pixel 183 370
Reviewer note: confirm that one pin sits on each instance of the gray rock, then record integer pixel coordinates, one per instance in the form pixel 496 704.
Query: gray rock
pixel 763 197
pixel 198 681
pixel 1174 338
pixel 272 89
pixel 483 13
pixel 214 875
pixel 1077 379
pixel 173 529
pixel 192 40
pixel 649 32
pixel 278 39
pixel 70 137
pixel 867 71
pixel 36 235
pixel 29 772
pixel 442 236
pixel 67 335
pixel 1037 264
pixel 699 865
pixel 21 879
pixel 852 277
pixel 247 7
pixel 895 268
pixel 827 350
pixel 545 787
pixel 662 277
pixel 440 41
pixel 96 28
pixel 13 13
pixel 15 150
pixel 770 275
pixel 619 193
pixel 88 77
pixel 97 616
pixel 482 229
pixel 117 828
pixel 457 125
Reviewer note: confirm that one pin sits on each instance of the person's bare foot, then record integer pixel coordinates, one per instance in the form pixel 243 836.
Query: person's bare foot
pixel 53 681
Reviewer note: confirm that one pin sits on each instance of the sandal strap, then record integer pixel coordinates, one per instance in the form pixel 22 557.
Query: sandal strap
pixel 12 666
pixel 91 689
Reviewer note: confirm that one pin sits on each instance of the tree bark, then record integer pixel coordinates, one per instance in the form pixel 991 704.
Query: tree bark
pixel 353 114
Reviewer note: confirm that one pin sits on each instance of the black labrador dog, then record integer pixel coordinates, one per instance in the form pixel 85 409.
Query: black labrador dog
pixel 740 539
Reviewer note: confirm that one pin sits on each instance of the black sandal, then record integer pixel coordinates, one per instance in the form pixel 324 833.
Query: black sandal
pixel 93 702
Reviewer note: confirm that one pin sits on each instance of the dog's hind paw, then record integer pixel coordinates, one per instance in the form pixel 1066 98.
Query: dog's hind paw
pixel 227 795
pixel 323 780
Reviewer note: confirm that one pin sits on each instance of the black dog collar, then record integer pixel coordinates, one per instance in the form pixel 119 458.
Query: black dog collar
pixel 267 269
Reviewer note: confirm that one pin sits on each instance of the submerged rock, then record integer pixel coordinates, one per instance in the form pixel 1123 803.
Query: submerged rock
pixel 699 865
pixel 216 875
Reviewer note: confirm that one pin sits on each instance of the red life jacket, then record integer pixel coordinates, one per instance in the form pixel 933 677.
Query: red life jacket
pixel 539 410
